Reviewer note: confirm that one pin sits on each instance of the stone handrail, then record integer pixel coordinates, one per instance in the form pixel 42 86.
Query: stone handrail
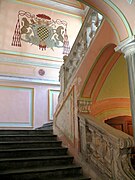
pixel 71 62
pixel 106 149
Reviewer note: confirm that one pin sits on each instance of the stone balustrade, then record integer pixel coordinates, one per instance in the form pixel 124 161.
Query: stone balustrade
pixel 79 49
pixel 106 149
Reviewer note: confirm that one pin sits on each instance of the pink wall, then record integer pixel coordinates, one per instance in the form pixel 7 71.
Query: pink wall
pixel 24 105
pixel 20 78
pixel 9 17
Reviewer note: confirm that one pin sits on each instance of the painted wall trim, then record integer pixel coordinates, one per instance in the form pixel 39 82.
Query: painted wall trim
pixel 31 106
pixel 121 15
pixel 30 80
pixel 29 62
pixel 51 93
pixel 30 55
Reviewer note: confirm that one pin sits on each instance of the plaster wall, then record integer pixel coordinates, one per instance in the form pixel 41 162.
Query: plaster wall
pixel 29 76
pixel 116 84
pixel 24 105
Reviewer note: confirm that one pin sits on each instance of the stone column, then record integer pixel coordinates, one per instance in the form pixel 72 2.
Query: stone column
pixel 129 54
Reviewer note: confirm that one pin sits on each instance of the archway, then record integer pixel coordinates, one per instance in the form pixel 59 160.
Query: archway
pixel 123 123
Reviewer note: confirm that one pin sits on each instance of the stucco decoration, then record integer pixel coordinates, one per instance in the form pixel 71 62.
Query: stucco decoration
pixel 130 1
pixel 41 72
pixel 41 30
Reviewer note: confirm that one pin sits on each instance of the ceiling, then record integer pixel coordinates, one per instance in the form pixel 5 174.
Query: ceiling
pixel 69 6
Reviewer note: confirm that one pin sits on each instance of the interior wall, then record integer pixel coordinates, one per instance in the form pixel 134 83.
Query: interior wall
pixel 18 17
pixel 29 75
pixel 113 98
pixel 26 105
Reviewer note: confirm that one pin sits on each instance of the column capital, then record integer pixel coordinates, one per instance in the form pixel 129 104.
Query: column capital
pixel 127 47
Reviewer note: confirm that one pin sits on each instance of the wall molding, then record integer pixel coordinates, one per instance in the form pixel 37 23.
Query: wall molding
pixel 30 80
pixel 29 62
pixel 30 55
pixel 30 122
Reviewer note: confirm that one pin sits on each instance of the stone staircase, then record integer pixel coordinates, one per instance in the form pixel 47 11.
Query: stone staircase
pixel 35 155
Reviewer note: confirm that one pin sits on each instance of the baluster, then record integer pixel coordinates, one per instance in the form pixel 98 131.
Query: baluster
pixel 100 17
pixel 83 40
pixel 93 24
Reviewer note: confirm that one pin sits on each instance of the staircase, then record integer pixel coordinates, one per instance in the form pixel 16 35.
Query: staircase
pixel 35 155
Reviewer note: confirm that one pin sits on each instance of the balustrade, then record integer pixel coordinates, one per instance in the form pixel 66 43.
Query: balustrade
pixel 72 61
pixel 106 149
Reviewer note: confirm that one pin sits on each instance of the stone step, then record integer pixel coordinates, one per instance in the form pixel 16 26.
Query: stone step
pixel 35 155
pixel 71 178
pixel 25 132
pixel 42 173
pixel 27 137
pixel 29 144
pixel 32 152
pixel 33 162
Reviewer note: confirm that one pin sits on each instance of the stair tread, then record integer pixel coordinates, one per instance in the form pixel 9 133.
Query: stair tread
pixel 36 130
pixel 42 169
pixel 31 149
pixel 27 135
pixel 36 158
pixel 21 142
pixel 72 178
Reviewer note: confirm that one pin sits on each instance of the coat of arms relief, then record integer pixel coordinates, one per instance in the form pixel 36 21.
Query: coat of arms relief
pixel 42 31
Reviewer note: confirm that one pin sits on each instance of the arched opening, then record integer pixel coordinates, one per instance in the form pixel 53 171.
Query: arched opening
pixel 123 123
